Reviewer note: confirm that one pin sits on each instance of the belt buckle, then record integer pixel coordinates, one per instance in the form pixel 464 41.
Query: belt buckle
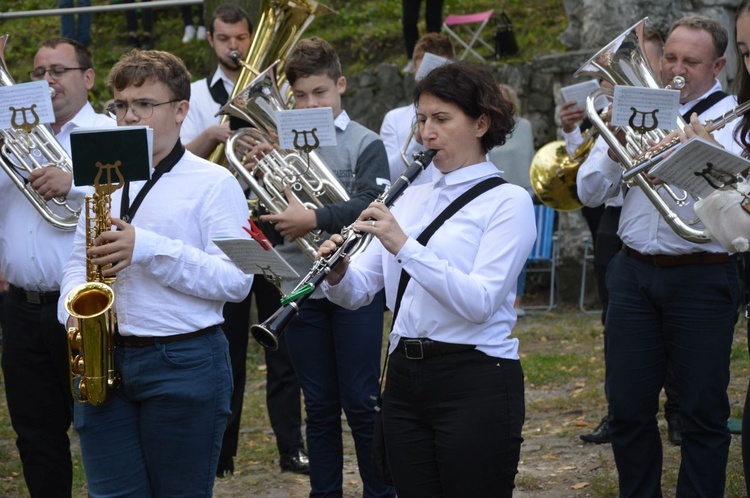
pixel 33 297
pixel 413 349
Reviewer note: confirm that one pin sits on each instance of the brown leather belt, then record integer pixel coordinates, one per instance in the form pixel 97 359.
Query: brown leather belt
pixel 668 261
pixel 33 297
pixel 141 341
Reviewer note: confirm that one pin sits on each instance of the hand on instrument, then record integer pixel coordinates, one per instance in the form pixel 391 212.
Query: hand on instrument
pixel 570 117
pixel 114 247
pixel 51 181
pixel 71 323
pixel 254 155
pixel 218 133
pixel 296 220
pixel 378 220
pixel 329 247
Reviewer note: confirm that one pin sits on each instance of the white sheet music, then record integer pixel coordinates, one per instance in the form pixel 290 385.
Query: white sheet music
pixel 429 62
pixel 251 257
pixel 578 93
pixel 24 96
pixel 300 127
pixel 688 167
pixel 643 105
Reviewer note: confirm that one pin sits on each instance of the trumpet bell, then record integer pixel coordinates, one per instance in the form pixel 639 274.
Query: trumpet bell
pixel 553 177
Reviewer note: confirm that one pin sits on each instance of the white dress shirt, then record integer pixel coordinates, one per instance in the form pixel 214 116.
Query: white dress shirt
pixel 599 149
pixel 32 252
pixel 203 108
pixel 641 226
pixel 394 132
pixel 573 140
pixel 178 279
pixel 463 282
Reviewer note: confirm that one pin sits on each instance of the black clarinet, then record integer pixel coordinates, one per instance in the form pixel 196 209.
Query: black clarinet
pixel 267 333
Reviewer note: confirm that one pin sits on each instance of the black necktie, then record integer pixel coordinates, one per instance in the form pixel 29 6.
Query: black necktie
pixel 218 92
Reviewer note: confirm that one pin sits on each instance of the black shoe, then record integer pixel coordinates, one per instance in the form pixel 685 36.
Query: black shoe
pixel 147 43
pixel 133 41
pixel 674 431
pixel 295 461
pixel 225 468
pixel 600 435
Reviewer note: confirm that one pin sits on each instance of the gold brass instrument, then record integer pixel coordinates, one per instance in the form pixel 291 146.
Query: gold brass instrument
pixel 279 28
pixel 267 333
pixel 622 62
pixel 91 345
pixel 308 176
pixel 29 147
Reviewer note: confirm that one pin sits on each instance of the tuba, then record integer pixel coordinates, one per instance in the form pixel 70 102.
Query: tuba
pixel 91 345
pixel 622 62
pixel 308 176
pixel 280 27
pixel 32 147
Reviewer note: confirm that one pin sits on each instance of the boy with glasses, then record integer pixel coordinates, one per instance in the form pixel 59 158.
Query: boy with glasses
pixel 159 434
pixel 32 256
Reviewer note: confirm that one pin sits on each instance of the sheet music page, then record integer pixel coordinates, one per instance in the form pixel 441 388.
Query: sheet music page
pixel 301 127
pixel 689 166
pixel 650 107
pixel 579 92
pixel 31 101
pixel 251 257
pixel 429 62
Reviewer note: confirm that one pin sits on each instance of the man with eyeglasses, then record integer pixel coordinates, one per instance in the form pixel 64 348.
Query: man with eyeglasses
pixel 160 432
pixel 32 256
pixel 230 30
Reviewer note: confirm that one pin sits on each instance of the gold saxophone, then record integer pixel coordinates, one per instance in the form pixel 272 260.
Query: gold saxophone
pixel 91 345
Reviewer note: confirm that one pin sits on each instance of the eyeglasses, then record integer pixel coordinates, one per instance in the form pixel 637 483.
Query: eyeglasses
pixel 55 72
pixel 142 109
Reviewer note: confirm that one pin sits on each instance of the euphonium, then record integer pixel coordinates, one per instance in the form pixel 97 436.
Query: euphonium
pixel 24 150
pixel 91 344
pixel 279 28
pixel 622 63
pixel 310 179
pixel 267 333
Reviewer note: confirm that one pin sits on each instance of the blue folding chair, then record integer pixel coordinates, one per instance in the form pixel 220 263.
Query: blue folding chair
pixel 545 255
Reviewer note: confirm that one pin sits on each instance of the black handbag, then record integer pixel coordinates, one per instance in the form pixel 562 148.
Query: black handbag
pixel 381 467
pixel 505 38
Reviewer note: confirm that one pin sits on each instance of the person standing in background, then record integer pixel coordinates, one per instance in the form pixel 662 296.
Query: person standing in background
pixel 513 159
pixel 433 14
pixel 78 27
pixel 35 359
pixel 146 41
pixel 191 31
pixel 230 30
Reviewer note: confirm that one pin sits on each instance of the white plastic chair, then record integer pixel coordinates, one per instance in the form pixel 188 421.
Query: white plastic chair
pixel 455 24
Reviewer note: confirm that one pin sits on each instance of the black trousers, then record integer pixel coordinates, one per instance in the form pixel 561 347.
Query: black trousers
pixel 410 17
pixel 37 388
pixel 452 425
pixel 282 388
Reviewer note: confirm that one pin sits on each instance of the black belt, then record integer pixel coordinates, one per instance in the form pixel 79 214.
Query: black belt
pixel 34 297
pixel 141 341
pixel 664 260
pixel 420 349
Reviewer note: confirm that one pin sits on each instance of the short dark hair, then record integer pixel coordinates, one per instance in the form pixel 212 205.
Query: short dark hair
pixel 139 66
pixel 313 56
pixel 436 44
pixel 230 13
pixel 475 92
pixel 718 33
pixel 83 54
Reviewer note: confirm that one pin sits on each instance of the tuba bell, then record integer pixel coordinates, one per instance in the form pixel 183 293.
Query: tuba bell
pixel 24 150
pixel 308 176
pixel 622 62
pixel 280 27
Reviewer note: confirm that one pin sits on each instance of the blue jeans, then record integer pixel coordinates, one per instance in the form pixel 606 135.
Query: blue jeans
pixel 336 354
pixel 160 433
pixel 683 317
pixel 80 32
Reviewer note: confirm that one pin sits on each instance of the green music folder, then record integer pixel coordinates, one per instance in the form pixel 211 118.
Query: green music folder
pixel 103 152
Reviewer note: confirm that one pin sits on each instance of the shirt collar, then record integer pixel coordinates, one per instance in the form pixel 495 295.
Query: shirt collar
pixel 83 117
pixel 219 74
pixel 688 105
pixel 342 121
pixel 467 174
